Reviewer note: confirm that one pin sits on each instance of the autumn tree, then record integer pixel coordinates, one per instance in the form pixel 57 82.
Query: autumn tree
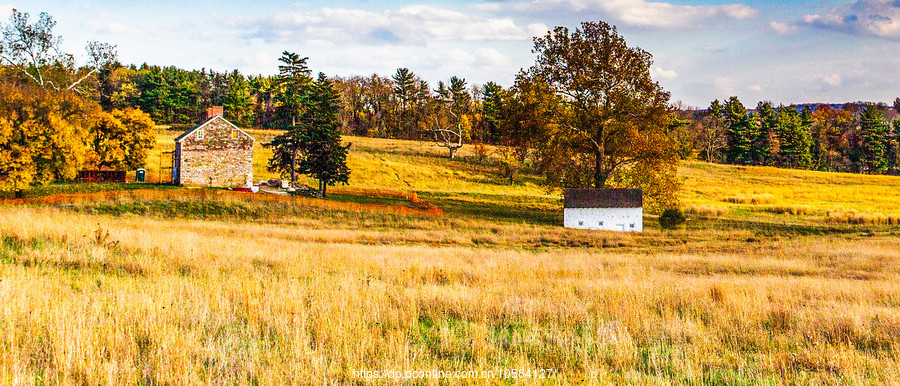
pixel 612 129
pixel 42 135
pixel 831 133
pixel 120 139
pixel 527 115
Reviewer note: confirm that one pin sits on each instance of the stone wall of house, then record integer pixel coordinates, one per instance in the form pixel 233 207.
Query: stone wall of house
pixel 221 156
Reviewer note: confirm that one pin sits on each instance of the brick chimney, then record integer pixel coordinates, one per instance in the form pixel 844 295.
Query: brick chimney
pixel 214 110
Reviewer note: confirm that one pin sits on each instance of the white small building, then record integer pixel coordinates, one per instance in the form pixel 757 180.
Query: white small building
pixel 604 209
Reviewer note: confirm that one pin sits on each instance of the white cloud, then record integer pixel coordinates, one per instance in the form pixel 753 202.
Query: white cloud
pixel 104 26
pixel 754 87
pixel 725 85
pixel 833 80
pixel 461 61
pixel 880 18
pixel 410 24
pixel 660 73
pixel 782 28
pixel 712 49
pixel 634 12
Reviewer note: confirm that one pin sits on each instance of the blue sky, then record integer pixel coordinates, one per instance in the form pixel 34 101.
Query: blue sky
pixel 781 51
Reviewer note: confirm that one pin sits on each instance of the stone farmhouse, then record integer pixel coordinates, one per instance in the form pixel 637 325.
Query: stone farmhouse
pixel 213 153
pixel 604 209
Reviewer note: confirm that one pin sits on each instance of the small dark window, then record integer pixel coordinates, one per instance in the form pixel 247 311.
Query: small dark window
pixel 581 223
pixel 200 134
pixel 601 223
pixel 632 225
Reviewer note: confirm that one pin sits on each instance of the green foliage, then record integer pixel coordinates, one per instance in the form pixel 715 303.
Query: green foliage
pixel 324 157
pixel 792 132
pixel 671 218
pixel 740 132
pixel 874 144
pixel 293 86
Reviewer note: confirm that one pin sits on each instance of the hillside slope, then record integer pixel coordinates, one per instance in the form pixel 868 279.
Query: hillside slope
pixel 202 289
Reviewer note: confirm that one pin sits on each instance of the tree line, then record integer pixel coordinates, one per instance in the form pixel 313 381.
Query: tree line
pixel 574 130
pixel 854 137
pixel 586 114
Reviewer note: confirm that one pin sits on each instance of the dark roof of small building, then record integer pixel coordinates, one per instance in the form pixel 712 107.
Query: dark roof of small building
pixel 603 198
pixel 201 124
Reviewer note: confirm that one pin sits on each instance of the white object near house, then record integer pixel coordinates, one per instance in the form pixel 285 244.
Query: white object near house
pixel 604 209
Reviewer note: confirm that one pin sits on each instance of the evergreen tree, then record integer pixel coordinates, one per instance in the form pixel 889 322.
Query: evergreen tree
pixel 293 84
pixel 491 104
pixel 324 157
pixel 765 144
pixel 893 149
pixel 793 138
pixel 405 91
pixel 873 147
pixel 738 149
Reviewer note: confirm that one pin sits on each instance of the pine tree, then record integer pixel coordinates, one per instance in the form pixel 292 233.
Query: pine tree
pixel 293 84
pixel 738 150
pixel 765 144
pixel 324 157
pixel 793 138
pixel 874 142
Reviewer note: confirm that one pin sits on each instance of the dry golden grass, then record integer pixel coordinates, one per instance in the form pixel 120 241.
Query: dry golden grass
pixel 216 290
pixel 189 301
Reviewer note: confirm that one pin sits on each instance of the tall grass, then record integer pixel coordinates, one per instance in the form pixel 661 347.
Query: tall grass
pixel 767 283
pixel 95 299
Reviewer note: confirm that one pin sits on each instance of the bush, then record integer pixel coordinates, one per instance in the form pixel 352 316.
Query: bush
pixel 671 218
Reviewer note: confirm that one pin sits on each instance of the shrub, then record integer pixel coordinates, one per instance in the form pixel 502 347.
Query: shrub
pixel 671 218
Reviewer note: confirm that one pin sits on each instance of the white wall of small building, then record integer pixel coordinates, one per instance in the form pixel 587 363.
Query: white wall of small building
pixel 609 219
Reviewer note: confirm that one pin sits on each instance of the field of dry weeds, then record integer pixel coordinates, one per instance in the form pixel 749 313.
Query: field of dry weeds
pixel 215 290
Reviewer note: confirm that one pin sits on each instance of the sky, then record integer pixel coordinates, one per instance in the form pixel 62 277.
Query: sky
pixel 785 52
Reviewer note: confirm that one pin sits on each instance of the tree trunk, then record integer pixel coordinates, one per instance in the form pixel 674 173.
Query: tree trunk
pixel 322 187
pixel 599 178
pixel 452 152
pixel 293 165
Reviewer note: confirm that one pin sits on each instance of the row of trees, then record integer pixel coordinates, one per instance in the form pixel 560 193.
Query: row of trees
pixel 855 138
pixel 586 114
pixel 50 126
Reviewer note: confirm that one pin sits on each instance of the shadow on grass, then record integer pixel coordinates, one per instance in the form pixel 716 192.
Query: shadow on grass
pixel 771 228
pixel 493 207
pixel 84 187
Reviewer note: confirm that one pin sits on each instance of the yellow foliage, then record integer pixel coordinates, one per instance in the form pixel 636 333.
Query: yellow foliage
pixel 42 135
pixel 121 139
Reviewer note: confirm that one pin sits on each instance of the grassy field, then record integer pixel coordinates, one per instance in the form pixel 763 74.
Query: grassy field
pixel 779 276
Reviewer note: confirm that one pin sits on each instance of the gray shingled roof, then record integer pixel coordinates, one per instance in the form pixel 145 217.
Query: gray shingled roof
pixel 603 198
